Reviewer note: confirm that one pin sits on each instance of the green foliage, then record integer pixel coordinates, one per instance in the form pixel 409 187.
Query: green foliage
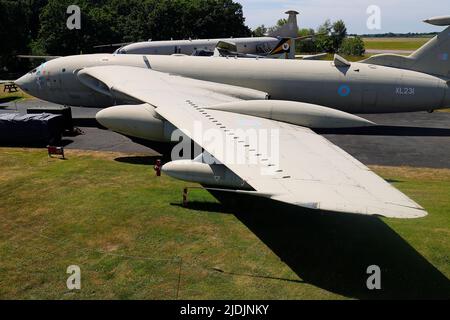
pixel 338 34
pixel 260 31
pixel 324 43
pixel 14 35
pixel 306 45
pixel 328 38
pixel 282 22
pixel 42 28
pixel 353 46
pixel 115 21
pixel 331 36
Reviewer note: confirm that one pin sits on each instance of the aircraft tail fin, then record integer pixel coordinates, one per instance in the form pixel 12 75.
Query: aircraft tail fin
pixel 290 29
pixel 285 48
pixel 432 58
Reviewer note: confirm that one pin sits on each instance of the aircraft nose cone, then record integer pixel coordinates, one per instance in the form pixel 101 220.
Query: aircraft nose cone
pixel 24 82
pixel 21 81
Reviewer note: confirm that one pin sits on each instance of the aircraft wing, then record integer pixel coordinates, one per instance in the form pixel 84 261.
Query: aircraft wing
pixel 30 57
pixel 318 56
pixel 311 171
pixel 227 46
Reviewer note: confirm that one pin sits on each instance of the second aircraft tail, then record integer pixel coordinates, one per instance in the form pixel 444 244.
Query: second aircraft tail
pixel 290 29
pixel 432 58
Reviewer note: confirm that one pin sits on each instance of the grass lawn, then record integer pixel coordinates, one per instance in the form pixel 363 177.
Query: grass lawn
pixel 7 97
pixel 394 43
pixel 349 58
pixel 125 228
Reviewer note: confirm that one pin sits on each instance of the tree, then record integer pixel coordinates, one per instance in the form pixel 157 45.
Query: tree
pixel 306 45
pixel 280 23
pixel 324 43
pixel 115 21
pixel 330 36
pixel 260 31
pixel 14 18
pixel 353 46
pixel 339 32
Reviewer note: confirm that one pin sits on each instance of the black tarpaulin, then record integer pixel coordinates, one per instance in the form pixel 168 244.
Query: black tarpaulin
pixel 30 129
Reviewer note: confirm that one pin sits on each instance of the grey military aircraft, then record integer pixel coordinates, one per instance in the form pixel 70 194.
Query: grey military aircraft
pixel 156 95
pixel 257 45
pixel 380 84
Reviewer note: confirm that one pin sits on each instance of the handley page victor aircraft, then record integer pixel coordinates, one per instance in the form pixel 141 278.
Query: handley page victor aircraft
pixel 229 96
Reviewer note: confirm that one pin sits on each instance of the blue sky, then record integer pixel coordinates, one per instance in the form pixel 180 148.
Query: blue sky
pixel 396 15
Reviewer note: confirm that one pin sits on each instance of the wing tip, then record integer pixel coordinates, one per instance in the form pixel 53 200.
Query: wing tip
pixel 416 214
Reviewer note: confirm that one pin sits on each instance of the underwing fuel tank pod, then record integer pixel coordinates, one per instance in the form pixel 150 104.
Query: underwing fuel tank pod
pixel 213 175
pixel 141 121
pixel 302 114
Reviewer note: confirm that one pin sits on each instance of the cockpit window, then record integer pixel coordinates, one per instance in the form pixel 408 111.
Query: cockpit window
pixel 33 71
pixel 120 51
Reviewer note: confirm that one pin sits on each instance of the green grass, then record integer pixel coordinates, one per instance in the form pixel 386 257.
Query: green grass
pixel 349 58
pixel 7 97
pixel 409 44
pixel 125 229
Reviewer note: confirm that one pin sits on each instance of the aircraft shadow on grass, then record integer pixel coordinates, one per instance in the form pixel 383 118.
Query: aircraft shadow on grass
pixel 7 100
pixel 333 251
pixel 138 160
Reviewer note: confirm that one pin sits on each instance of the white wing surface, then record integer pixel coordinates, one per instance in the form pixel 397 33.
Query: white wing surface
pixel 309 171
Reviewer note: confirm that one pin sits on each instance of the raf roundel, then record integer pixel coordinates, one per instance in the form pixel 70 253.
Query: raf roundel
pixel 344 90
pixel 286 46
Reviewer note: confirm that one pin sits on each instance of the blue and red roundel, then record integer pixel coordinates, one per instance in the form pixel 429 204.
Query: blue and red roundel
pixel 344 90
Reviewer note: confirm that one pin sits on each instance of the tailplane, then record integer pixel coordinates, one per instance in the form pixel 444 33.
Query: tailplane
pixel 432 58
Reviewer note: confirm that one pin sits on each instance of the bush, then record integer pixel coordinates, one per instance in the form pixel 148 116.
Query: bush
pixel 353 46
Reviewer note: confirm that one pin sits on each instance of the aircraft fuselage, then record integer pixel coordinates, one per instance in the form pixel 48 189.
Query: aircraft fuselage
pixel 359 88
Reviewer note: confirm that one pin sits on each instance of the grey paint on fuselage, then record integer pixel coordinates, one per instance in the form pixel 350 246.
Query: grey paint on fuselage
pixel 360 88
pixel 257 45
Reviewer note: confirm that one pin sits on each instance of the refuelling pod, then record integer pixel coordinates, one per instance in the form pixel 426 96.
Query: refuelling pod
pixel 439 21
pixel 139 121
pixel 298 113
pixel 215 175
